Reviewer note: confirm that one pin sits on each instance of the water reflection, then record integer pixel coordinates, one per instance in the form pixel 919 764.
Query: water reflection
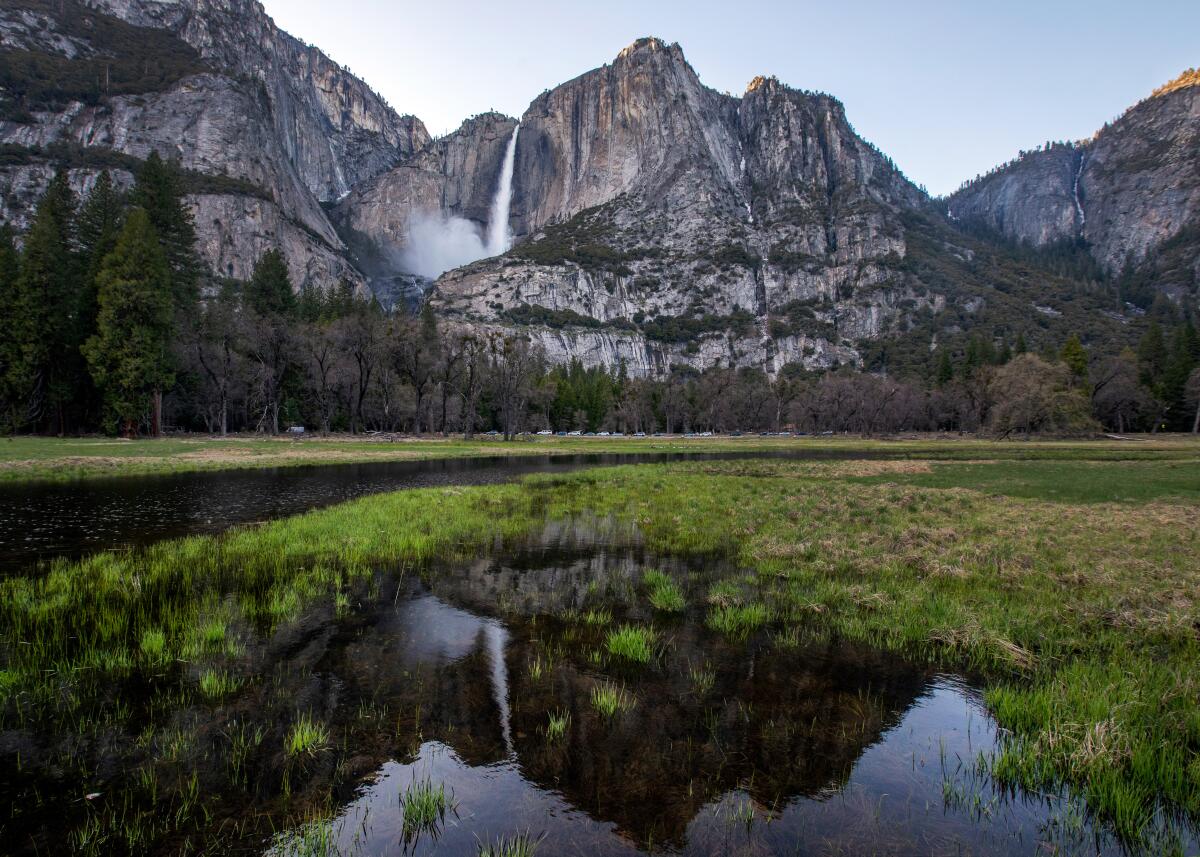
pixel 814 749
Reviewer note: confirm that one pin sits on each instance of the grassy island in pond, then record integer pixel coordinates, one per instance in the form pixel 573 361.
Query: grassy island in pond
pixel 1067 588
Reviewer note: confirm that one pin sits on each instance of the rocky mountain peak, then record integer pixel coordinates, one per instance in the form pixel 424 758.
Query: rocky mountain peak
pixel 649 45
pixel 1125 194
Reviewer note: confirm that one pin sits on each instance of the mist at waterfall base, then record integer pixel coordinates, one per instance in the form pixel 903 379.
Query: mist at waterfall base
pixel 439 242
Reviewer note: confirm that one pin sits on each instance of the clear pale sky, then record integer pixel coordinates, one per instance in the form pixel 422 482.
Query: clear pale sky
pixel 948 89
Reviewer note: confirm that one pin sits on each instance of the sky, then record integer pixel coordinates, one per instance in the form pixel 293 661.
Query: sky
pixel 947 89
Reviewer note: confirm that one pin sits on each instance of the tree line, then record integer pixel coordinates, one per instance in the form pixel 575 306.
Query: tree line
pixel 109 322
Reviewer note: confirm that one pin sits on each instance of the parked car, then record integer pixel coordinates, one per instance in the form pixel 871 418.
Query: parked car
pixel 545 433
pixel 604 434
pixel 574 434
pixel 640 434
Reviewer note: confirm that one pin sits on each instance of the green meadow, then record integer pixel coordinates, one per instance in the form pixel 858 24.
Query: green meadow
pixel 1063 579
pixel 59 459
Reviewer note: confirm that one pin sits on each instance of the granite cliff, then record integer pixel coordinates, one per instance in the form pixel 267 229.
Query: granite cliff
pixel 657 222
pixel 281 127
pixel 1128 193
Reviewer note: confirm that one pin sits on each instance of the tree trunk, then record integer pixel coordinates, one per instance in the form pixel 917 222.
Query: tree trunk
pixel 1196 424
pixel 156 415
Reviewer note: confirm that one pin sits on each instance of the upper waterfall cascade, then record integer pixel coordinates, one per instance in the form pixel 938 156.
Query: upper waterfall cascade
pixel 499 236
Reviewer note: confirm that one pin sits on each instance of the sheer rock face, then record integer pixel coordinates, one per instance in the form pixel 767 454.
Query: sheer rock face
pixel 335 130
pixel 1035 203
pixel 643 124
pixel 272 112
pixel 706 205
pixel 1126 192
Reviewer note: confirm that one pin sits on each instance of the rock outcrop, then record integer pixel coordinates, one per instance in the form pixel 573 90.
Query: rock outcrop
pixel 665 224
pixel 290 127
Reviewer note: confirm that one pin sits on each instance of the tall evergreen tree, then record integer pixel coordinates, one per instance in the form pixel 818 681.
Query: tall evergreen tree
pixel 45 311
pixel 1074 355
pixel 10 353
pixel 269 292
pixel 98 228
pixel 129 355
pixel 1176 370
pixel 945 369
pixel 1152 355
pixel 160 192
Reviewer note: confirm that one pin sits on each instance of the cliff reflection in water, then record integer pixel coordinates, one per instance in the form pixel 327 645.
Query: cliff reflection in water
pixel 728 745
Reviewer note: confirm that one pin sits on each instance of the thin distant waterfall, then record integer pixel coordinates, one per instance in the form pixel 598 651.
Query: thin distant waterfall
pixel 499 237
pixel 497 639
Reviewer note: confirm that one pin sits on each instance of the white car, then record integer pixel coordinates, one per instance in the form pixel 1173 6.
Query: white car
pixel 545 433
pixel 574 434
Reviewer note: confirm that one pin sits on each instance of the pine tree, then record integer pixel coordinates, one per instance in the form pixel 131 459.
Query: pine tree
pixel 1074 355
pixel 160 192
pixel 269 292
pixel 129 355
pixel 9 346
pixel 1152 355
pixel 99 226
pixel 1176 370
pixel 1022 347
pixel 44 311
pixel 99 223
pixel 945 370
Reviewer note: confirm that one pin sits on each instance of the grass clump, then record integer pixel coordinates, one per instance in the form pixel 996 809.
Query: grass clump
pixel 631 643
pixel 702 679
pixel 556 728
pixel 611 700
pixel 521 845
pixel 307 737
pixel 424 806
pixel 664 593
pixel 598 617
pixel 739 621
pixel 153 645
pixel 217 685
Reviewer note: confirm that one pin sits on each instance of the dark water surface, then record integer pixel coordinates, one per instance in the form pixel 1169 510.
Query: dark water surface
pixel 785 748
pixel 46 520
pixel 772 744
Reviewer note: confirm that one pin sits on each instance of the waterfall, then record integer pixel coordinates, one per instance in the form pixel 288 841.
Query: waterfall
pixel 499 237
pixel 1079 212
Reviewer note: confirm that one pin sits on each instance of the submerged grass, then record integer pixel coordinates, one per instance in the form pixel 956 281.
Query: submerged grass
pixel 610 699
pixel 558 724
pixel 631 643
pixel 521 845
pixel 424 807
pixel 307 737
pixel 663 592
